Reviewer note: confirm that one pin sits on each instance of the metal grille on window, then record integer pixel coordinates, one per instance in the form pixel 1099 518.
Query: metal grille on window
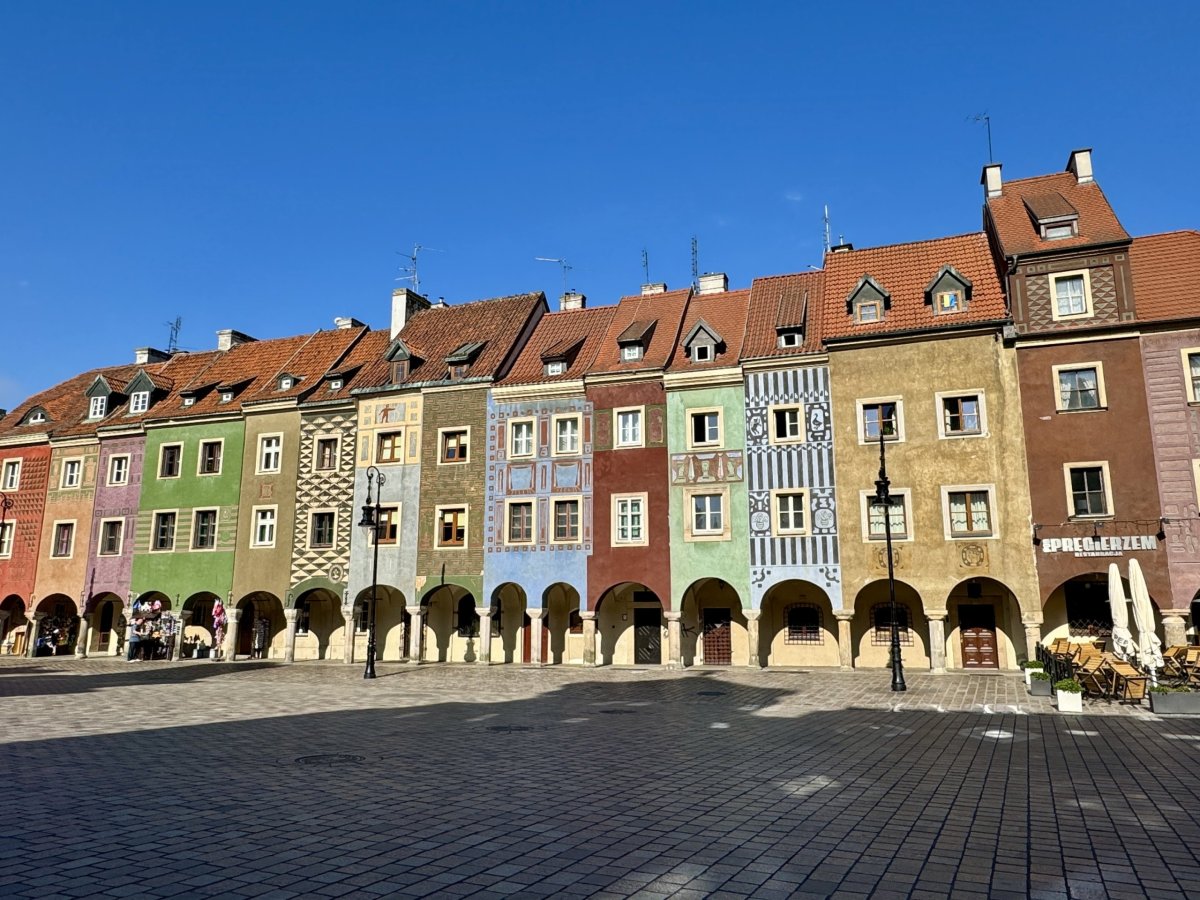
pixel 804 625
pixel 881 619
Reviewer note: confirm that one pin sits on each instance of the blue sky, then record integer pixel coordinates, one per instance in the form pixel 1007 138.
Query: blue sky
pixel 259 166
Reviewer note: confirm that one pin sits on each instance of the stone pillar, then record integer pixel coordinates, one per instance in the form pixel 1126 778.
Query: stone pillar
pixel 81 638
pixel 185 616
pixel 1033 636
pixel 539 633
pixel 1175 627
pixel 589 636
pixel 3 626
pixel 35 625
pixel 485 635
pixel 231 633
pixel 674 641
pixel 289 640
pixel 416 625
pixel 129 633
pixel 845 638
pixel 937 642
pixel 349 637
pixel 754 661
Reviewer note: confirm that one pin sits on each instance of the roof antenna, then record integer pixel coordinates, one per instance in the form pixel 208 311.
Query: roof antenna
pixel 826 235
pixel 695 263
pixel 566 267
pixel 986 120
pixel 173 340
pixel 646 265
pixel 413 274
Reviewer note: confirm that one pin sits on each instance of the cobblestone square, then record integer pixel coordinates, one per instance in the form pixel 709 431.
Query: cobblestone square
pixel 259 780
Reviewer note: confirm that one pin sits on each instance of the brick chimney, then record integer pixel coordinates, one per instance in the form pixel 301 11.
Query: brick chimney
pixel 145 355
pixel 405 304
pixel 228 338
pixel 1080 165
pixel 713 283
pixel 992 185
pixel 572 300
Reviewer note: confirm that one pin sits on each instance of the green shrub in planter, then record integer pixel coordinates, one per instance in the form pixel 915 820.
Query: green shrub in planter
pixel 1170 689
pixel 1040 676
pixel 1167 700
pixel 1039 684
pixel 1032 664
pixel 1068 686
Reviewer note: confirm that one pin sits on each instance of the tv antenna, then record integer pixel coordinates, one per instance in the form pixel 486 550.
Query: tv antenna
pixel 695 262
pixel 825 236
pixel 986 120
pixel 646 265
pixel 412 270
pixel 173 340
pixel 563 264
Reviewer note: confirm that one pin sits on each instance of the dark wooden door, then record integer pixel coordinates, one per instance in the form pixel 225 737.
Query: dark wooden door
pixel 717 647
pixel 977 625
pixel 527 640
pixel 647 637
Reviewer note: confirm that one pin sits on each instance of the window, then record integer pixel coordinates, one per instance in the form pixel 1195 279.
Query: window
pixel 566 521
pixel 1088 488
pixel 326 455
pixel 454 445
pixel 881 617
pixel 804 624
pixel 1058 232
pixel 37 417
pixel 139 402
pixel 389 524
pixel 321 527
pixel 629 519
pixel 169 458
pixel 1191 373
pixel 897 517
pixel 335 384
pixel 118 470
pixel 1071 294
pixel 702 353
pixel 286 382
pixel 189 401
pixel 390 447
pixel 629 427
pixel 868 311
pixel 520 522
pixel 164 531
pixel 97 408
pixel 705 430
pixel 64 539
pixel 1080 387
pixel 452 526
pixel 961 416
pixel 210 457
pixel 566 435
pixel 707 514
pixel 270 453
pixel 880 418
pixel 302 617
pixel 468 618
pixel 7 529
pixel 362 618
pixel 226 396
pixel 970 513
pixel 947 302
pixel 71 473
pixel 791 512
pixel 787 424
pixel 790 338
pixel 631 352
pixel 558 367
pixel 111 531
pixel 11 479
pixel 1089 613
pixel 264 526
pixel 520 437
pixel 204 529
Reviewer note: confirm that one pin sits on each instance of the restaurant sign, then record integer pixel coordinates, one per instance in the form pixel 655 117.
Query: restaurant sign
pixel 1116 545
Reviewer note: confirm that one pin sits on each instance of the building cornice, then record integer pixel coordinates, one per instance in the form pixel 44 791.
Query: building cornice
pixel 623 377
pixel 74 441
pixel 423 386
pixel 1086 337
pixel 539 391
pixel 915 335
pixel 786 362
pixel 726 375
pixel 195 420
pixel 16 440
pixel 269 405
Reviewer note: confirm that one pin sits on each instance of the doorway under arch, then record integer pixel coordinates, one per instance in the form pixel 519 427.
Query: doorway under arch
pixel 983 630
pixel 14 626
pixel 713 626
pixel 59 626
pixel 630 626
pixel 392 622
pixel 320 625
pixel 797 626
pixel 451 625
pixel 563 623
pixel 871 628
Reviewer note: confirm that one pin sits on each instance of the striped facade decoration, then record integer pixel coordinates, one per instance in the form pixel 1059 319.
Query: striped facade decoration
pixel 808 465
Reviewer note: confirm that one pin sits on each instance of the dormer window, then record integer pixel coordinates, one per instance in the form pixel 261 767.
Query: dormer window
pixel 399 370
pixel 226 396
pixel 703 343
pixel 631 352
pixel 37 417
pixel 558 367
pixel 1053 215
pixel 98 407
pixel 286 382
pixel 790 338
pixel 634 340
pixel 869 301
pixel 948 292
pixel 189 401
pixel 459 362
pixel 1057 232
pixel 868 311
pixel 335 384
pixel 139 401
pixel 702 353
pixel 948 301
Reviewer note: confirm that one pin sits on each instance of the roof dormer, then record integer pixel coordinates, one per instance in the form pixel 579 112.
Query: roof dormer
pixel 36 416
pixel 1053 215
pixel 458 362
pixel 869 301
pixel 634 340
pixel 402 358
pixel 949 291
pixel 286 381
pixel 230 389
pixel 702 344
pixel 102 396
pixel 558 357
pixel 141 392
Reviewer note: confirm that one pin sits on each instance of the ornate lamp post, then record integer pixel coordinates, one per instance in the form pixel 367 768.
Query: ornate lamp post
pixel 883 499
pixel 372 521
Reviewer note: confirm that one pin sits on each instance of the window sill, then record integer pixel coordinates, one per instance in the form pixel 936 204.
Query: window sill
pixel 962 435
pixel 971 537
pixel 1089 409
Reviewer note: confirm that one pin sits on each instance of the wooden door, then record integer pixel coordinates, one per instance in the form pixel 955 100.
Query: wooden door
pixel 526 639
pixel 545 637
pixel 977 625
pixel 647 637
pixel 717 644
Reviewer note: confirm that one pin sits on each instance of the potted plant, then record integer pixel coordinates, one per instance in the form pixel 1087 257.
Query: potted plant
pixel 1030 666
pixel 1174 700
pixel 1070 695
pixel 1039 684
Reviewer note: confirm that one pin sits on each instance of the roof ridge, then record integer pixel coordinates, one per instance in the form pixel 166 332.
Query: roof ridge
pixel 937 240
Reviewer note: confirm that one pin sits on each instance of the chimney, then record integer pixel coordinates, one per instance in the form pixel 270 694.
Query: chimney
pixel 228 338
pixel 345 323
pixel 571 300
pixel 841 248
pixel 405 304
pixel 658 287
pixel 1080 165
pixel 144 355
pixel 990 180
pixel 713 283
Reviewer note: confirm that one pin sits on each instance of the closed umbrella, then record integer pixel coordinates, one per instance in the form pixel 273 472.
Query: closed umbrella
pixel 1122 638
pixel 1149 646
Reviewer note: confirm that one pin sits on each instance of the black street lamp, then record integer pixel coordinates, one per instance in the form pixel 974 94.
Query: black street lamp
pixel 372 520
pixel 884 499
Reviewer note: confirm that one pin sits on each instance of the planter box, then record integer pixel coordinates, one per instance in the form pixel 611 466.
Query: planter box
pixel 1040 688
pixel 1177 704
pixel 1029 676
pixel 1069 702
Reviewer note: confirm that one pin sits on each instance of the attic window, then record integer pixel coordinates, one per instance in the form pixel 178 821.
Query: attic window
pixel 226 396
pixel 139 401
pixel 702 353
pixel 188 401
pixel 948 302
pixel 868 311
pixel 1057 232
pixel 631 352
pixel 98 407
pixel 1054 215
pixel 286 382
pixel 557 367
pixel 790 337
pixel 37 417
pixel 399 370
pixel 335 384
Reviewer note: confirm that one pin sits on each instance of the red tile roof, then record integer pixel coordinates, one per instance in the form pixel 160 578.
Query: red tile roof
pixel 1019 233
pixel 559 331
pixel 725 313
pixel 904 271
pixel 665 310
pixel 781 300
pixel 1166 271
pixel 362 366
pixel 308 364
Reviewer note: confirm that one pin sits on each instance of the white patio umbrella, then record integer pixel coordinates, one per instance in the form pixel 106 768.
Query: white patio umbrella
pixel 1123 645
pixel 1149 646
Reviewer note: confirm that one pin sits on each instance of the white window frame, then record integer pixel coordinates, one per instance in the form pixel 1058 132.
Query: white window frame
pixel 179 468
pixel 939 409
pixel 993 521
pixel 641 427
pixel 614 531
pixel 511 433
pixel 1101 464
pixel 200 473
pixel 790 339
pixel 100 537
pixel 62 477
pixel 1101 396
pixel 555 499
pixel 532 503
pixel 861 426
pixel 273 508
pixel 260 467
pixel 689 418
pixel 772 437
pixel 556 367
pixel 455 429
pixel 8 527
pixel 154 514
pixel 776 526
pixel 192 534
pixel 632 352
pixel 70 554
pixel 112 461
pixel 466 524
pixel 337 451
pixel 1188 387
pixel 308 535
pixel 703 353
pixel 11 475
pixel 554 423
pixel 690 532
pixel 139 402
pixel 905 494
pixel 97 407
pixel 1054 278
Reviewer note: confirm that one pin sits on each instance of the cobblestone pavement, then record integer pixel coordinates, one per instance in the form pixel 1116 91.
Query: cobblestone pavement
pixel 260 780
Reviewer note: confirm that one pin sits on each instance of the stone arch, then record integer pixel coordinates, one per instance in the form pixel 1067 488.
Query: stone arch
pixel 58 627
pixel 509 623
pixel 618 621
pixel 320 624
pixel 14 626
pixel 869 632
pixel 392 623
pixel 713 626
pixel 106 617
pixel 261 620
pixel 797 626
pixel 564 624
pixel 1078 609
pixel 451 625
pixel 972 606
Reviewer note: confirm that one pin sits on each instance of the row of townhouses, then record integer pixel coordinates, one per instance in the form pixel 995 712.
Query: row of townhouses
pixel 681 478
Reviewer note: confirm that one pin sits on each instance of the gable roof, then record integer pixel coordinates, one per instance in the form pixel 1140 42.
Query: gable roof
pixel 1017 230
pixel 723 314
pixel 781 301
pixel 906 270
pixel 361 365
pixel 632 316
pixel 307 364
pixel 559 335
pixel 1166 273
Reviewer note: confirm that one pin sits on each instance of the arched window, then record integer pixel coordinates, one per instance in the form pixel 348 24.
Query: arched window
pixel 468 619
pixel 804 624
pixel 881 619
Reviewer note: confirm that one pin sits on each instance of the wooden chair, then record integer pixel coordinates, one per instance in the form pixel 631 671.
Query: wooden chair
pixel 1191 665
pixel 1129 685
pixel 1175 663
pixel 1093 674
pixel 1058 646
